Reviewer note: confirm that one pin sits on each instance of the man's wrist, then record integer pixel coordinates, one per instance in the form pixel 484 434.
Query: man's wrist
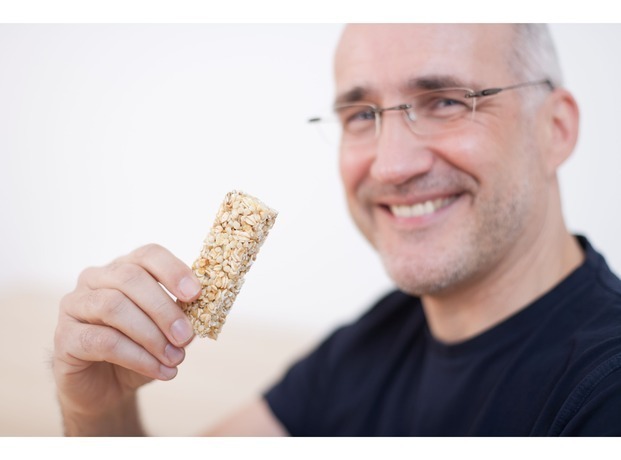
pixel 122 420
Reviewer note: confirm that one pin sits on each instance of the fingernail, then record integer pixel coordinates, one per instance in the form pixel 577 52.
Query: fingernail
pixel 181 330
pixel 175 355
pixel 167 373
pixel 189 287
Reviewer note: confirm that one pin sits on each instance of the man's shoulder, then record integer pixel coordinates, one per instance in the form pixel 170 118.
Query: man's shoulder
pixel 593 406
pixel 394 314
pixel 593 353
pixel 607 282
pixel 593 313
pixel 591 295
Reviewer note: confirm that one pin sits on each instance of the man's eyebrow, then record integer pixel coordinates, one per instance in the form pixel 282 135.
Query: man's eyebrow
pixel 424 83
pixel 355 94
pixel 432 82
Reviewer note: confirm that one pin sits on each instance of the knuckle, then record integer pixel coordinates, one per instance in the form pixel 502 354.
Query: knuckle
pixel 60 338
pixel 148 250
pixel 65 340
pixel 65 302
pixel 87 340
pixel 85 275
pixel 163 308
pixel 65 330
pixel 98 342
pixel 93 300
pixel 108 302
pixel 126 273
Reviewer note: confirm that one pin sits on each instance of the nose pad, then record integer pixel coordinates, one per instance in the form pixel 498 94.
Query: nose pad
pixel 409 116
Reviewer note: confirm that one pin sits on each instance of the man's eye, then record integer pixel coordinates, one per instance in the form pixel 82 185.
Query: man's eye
pixel 361 115
pixel 441 107
pixel 448 103
pixel 356 119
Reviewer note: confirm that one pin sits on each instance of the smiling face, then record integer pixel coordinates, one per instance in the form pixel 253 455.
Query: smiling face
pixel 448 209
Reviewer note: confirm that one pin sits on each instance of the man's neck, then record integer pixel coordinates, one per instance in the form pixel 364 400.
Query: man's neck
pixel 467 312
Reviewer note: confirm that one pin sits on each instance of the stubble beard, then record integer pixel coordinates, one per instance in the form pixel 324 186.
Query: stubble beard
pixel 472 250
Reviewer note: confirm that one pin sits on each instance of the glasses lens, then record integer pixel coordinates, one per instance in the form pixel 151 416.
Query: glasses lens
pixel 349 124
pixel 329 129
pixel 358 123
pixel 431 112
pixel 441 110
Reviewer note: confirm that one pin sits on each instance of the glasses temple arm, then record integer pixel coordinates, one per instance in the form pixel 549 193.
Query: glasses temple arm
pixel 492 91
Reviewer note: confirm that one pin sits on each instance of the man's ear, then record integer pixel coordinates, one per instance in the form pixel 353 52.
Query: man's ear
pixel 560 117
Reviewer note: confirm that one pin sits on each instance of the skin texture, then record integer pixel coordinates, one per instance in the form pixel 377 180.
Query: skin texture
pixel 504 227
pixel 500 242
pixel 117 331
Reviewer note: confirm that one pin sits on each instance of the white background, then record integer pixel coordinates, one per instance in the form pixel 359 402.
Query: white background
pixel 113 136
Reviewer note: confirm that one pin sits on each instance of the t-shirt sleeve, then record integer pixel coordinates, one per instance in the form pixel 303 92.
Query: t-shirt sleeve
pixel 598 412
pixel 293 398
pixel 317 395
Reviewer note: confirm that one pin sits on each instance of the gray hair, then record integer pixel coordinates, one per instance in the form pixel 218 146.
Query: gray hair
pixel 534 55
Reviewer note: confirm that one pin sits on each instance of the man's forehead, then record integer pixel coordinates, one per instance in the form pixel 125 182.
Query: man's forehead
pixel 399 54
pixel 385 37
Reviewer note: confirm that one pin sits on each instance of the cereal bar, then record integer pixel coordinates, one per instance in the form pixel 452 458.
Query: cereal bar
pixel 240 228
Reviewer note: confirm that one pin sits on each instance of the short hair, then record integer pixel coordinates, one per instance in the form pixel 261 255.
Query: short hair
pixel 534 55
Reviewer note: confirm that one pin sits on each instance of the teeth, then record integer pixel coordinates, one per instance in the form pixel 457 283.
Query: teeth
pixel 421 209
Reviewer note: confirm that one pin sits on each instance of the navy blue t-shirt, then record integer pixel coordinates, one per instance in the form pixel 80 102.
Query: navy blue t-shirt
pixel 553 368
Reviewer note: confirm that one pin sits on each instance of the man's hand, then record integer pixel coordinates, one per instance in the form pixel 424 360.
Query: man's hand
pixel 118 330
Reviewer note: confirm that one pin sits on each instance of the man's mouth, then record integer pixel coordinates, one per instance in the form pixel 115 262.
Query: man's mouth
pixel 421 209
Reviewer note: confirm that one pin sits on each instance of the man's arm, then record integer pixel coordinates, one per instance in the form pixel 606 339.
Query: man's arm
pixel 121 420
pixel 255 419
pixel 116 331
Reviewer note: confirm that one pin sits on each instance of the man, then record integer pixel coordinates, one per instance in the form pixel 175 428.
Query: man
pixel 504 323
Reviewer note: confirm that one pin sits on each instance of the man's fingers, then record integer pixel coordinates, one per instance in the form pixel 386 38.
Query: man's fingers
pixel 167 269
pixel 143 290
pixel 112 308
pixel 95 343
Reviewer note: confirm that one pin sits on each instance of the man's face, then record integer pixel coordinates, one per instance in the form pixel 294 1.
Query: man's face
pixel 449 209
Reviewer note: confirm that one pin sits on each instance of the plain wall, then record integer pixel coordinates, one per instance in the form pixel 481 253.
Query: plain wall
pixel 113 136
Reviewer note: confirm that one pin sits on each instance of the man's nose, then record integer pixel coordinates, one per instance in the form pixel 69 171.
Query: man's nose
pixel 400 154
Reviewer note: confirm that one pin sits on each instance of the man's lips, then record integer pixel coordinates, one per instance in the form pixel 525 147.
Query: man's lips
pixel 421 208
pixel 407 208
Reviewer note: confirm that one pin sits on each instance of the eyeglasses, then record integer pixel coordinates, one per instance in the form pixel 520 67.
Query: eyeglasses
pixel 427 113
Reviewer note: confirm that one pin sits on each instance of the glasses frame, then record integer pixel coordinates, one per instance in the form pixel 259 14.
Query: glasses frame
pixel 470 94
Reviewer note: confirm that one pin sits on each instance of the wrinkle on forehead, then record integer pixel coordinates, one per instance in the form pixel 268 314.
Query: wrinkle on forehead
pixel 410 86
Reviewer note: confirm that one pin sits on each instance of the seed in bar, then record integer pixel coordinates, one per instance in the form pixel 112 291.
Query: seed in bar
pixel 240 228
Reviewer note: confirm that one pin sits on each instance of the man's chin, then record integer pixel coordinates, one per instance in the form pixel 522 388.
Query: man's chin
pixel 421 279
